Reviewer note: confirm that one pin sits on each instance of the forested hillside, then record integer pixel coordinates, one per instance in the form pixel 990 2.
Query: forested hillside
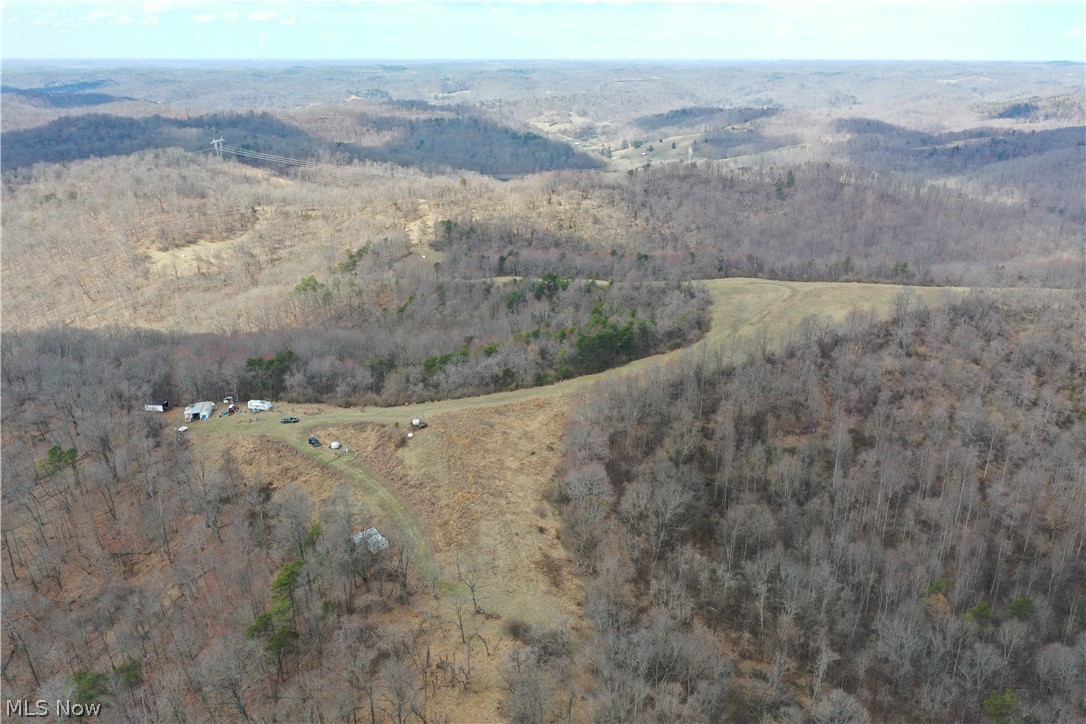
pixel 167 581
pixel 809 222
pixel 643 492
pixel 241 240
pixel 881 522
pixel 419 340
pixel 426 138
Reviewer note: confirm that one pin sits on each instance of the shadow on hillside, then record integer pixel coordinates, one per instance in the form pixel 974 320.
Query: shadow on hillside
pixel 431 144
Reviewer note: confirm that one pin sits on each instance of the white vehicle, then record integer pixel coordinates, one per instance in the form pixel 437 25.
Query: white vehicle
pixel 259 405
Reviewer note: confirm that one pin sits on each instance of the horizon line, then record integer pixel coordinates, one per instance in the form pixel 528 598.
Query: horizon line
pixel 542 60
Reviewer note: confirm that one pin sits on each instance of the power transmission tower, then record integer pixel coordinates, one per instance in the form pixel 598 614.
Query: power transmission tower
pixel 217 143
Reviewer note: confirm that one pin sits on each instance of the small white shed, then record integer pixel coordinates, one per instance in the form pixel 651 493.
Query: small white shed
pixel 374 541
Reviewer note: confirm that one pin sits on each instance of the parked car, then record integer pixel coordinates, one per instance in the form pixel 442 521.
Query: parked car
pixel 288 420
pixel 314 442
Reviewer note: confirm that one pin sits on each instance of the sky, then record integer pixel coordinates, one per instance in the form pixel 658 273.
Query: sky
pixel 601 30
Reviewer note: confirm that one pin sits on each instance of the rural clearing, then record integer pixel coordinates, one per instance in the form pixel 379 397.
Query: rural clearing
pixel 478 481
pixel 476 486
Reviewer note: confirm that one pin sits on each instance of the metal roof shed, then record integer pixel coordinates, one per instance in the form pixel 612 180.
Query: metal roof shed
pixel 199 411
pixel 373 540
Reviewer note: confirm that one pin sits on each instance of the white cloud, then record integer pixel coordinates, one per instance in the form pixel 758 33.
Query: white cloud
pixel 109 16
pixel 157 6
pixel 265 15
pixel 149 21
pixel 288 21
pixel 326 34
pixel 198 34
pixel 204 18
pixel 233 17
pixel 781 33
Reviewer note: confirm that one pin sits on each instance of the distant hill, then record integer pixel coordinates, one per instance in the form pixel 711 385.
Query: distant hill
pixel 682 117
pixel 66 95
pixel 1035 108
pixel 431 143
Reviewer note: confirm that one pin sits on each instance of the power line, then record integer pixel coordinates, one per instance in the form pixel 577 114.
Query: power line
pixel 304 163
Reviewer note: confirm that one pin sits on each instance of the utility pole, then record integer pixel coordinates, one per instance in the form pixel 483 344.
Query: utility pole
pixel 217 143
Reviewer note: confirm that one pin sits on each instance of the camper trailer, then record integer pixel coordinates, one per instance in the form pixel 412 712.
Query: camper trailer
pixel 259 406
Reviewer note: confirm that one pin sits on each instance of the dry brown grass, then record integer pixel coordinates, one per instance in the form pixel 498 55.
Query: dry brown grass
pixel 474 484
